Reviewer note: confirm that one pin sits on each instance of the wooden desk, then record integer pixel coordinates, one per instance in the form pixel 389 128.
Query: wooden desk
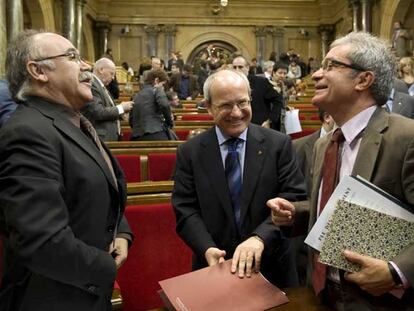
pixel 301 299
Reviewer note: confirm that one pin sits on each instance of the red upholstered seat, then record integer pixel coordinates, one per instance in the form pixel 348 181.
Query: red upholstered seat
pixel 156 254
pixel 131 166
pixel 161 166
pixel 182 134
pixel 197 117
pixel 305 132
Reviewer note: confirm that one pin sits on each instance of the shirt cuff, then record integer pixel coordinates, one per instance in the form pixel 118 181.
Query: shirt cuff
pixel 120 109
pixel 125 236
pixel 406 283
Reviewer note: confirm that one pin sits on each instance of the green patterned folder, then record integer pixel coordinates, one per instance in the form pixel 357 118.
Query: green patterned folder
pixel 364 231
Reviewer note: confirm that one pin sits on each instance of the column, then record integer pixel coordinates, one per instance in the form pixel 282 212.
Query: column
pixel 104 28
pixel 152 39
pixel 355 14
pixel 326 32
pixel 14 17
pixel 366 15
pixel 68 20
pixel 79 18
pixel 277 34
pixel 169 32
pixel 260 32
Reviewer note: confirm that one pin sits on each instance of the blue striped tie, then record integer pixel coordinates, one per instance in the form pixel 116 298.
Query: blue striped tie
pixel 234 178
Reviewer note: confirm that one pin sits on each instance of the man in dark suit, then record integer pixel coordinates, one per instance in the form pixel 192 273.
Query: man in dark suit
pixel 222 218
pixel 185 84
pixel 7 105
pixel 62 194
pixel 102 111
pixel 354 82
pixel 263 94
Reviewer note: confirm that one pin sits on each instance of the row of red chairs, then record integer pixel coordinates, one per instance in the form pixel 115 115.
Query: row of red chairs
pixel 160 166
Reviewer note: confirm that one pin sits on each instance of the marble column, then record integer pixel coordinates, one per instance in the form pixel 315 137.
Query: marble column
pixel 326 32
pixel 3 38
pixel 152 39
pixel 169 32
pixel 260 32
pixel 68 20
pixel 79 18
pixel 355 14
pixel 366 15
pixel 278 35
pixel 14 16
pixel 104 28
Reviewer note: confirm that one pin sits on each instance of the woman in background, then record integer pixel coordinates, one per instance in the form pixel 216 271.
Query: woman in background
pixel 150 118
pixel 406 73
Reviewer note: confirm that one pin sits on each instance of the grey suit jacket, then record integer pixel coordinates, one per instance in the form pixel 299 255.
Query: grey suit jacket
pixel 151 112
pixel 386 158
pixel 403 104
pixel 202 202
pixel 60 207
pixel 102 113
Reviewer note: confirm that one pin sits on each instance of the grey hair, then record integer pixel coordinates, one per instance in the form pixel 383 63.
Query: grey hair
pixel 210 80
pixel 103 63
pixel 372 54
pixel 20 51
pixel 268 64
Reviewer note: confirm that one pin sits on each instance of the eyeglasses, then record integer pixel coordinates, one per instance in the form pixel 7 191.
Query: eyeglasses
pixel 328 64
pixel 238 67
pixel 73 56
pixel 228 107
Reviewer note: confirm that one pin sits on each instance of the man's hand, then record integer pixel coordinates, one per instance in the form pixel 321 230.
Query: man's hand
pixel 266 124
pixel 127 106
pixel 283 212
pixel 245 253
pixel 374 276
pixel 119 251
pixel 214 256
pixel 188 98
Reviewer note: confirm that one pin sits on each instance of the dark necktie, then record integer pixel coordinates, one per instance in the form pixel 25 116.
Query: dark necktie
pixel 330 175
pixel 234 177
pixel 89 130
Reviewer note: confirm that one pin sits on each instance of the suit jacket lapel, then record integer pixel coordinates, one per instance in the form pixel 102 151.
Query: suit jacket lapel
pixel 255 154
pixel 370 144
pixel 210 160
pixel 76 135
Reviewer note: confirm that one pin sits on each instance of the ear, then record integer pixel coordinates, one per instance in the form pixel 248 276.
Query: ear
pixel 365 80
pixel 36 71
pixel 209 107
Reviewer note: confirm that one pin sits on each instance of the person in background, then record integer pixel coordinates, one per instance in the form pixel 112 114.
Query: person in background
pixel 352 85
pixel 7 105
pixel 62 194
pixel 150 118
pixel 174 100
pixel 223 178
pixel 185 84
pixel 102 112
pixel 406 73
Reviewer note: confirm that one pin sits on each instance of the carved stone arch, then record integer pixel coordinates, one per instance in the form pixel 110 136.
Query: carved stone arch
pixel 188 47
pixel 219 45
pixel 48 15
pixel 88 50
pixel 394 10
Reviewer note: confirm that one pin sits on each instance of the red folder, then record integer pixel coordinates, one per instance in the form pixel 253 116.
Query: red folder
pixel 216 288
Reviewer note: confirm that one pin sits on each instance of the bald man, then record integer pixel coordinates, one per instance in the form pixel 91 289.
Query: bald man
pixel 220 217
pixel 103 113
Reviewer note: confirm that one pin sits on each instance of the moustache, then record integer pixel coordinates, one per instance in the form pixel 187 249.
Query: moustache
pixel 85 76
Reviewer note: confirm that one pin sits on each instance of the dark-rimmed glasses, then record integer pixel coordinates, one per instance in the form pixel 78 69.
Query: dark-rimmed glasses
pixel 73 56
pixel 328 64
pixel 228 107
